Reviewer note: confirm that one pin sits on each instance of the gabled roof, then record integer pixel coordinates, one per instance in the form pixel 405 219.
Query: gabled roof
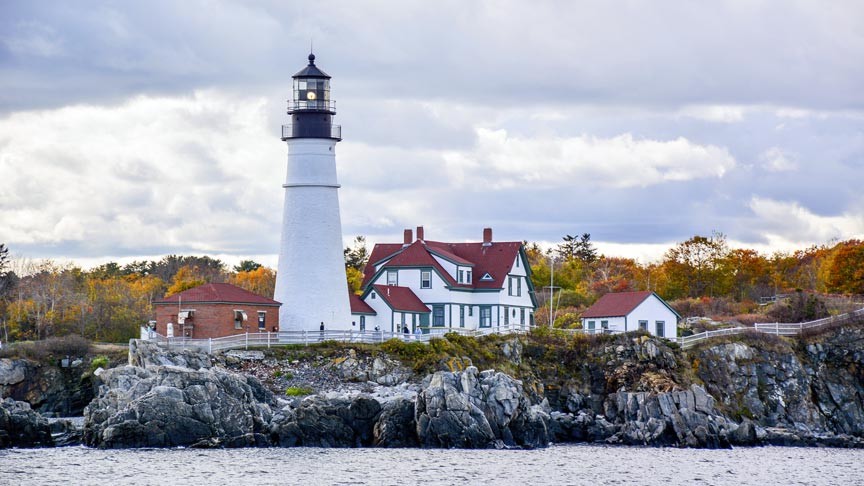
pixel 401 299
pixel 495 259
pixel 620 304
pixel 217 293
pixel 358 306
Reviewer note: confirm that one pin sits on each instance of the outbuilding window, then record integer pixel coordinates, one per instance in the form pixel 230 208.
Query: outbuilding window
pixel 239 318
pixel 660 328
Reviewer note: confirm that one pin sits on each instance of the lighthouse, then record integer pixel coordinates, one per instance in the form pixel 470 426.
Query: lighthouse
pixel 310 282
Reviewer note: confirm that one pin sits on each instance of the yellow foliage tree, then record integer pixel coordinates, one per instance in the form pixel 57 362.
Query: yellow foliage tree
pixel 186 278
pixel 261 281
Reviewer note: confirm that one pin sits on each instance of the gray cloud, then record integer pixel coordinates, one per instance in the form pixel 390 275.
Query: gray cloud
pixel 139 129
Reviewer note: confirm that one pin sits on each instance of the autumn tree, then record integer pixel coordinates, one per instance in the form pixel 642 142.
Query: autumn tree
pixel 846 268
pixel 695 267
pixel 260 281
pixel 357 254
pixel 186 278
pixel 247 266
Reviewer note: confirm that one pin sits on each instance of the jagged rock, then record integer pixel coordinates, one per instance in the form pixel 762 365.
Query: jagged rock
pixel 163 406
pixel 395 426
pixel 50 390
pixel 20 426
pixel 321 422
pixel 66 432
pixel 144 354
pixel 380 369
pixel 476 410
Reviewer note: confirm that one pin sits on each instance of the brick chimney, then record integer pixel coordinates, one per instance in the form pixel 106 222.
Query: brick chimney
pixel 420 233
pixel 408 237
pixel 487 236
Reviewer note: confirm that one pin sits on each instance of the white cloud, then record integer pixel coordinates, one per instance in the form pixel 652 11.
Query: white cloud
pixel 502 161
pixel 776 160
pixel 714 113
pixel 199 173
pixel 787 223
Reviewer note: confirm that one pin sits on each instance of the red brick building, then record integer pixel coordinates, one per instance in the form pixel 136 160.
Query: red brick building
pixel 216 310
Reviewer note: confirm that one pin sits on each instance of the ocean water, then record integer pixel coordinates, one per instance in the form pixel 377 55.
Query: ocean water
pixel 564 464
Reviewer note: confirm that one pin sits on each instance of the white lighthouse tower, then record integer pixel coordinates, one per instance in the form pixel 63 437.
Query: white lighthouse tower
pixel 310 282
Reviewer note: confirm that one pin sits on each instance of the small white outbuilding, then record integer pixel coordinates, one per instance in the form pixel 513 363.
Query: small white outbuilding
pixel 629 311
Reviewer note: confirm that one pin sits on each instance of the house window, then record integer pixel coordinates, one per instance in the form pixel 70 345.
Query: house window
pixel 487 277
pixel 660 327
pixel 438 315
pixel 470 311
pixel 517 261
pixel 506 316
pixel 514 286
pixel 461 276
pixel 262 315
pixel 643 325
pixel 604 325
pixel 425 279
pixel 485 316
pixel 590 325
pixel 461 316
pixel 522 316
pixel 373 295
pixel 468 275
pixel 239 318
pixel 392 277
pixel 362 323
pixel 531 319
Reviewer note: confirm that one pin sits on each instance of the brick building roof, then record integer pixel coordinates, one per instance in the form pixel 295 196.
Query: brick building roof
pixel 217 293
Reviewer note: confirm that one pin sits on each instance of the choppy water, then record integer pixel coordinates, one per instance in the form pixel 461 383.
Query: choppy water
pixel 573 464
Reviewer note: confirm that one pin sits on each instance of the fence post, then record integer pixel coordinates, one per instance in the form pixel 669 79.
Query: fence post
pixel 210 345
pixel 268 340
pixel 777 328
pixel 305 343
pixel 247 340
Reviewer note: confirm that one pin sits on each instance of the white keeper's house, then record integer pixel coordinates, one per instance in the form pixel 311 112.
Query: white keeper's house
pixel 629 311
pixel 436 286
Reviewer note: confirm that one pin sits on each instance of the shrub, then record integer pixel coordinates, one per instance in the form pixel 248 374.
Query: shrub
pixel 298 391
pixel 99 362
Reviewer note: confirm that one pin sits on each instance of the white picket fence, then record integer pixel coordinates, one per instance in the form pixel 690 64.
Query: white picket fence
pixel 285 338
pixel 775 328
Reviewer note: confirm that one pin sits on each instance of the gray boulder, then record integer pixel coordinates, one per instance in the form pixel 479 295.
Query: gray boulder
pixel 145 354
pixel 322 422
pixel 477 410
pixel 22 427
pixel 164 406
pixel 395 426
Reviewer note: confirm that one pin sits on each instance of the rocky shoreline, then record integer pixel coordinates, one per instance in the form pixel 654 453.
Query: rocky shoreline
pixel 631 390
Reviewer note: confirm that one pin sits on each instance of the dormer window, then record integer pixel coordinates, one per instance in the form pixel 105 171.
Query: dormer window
pixel 463 275
pixel 392 277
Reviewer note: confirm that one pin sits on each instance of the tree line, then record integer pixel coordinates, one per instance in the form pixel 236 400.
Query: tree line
pixel 40 299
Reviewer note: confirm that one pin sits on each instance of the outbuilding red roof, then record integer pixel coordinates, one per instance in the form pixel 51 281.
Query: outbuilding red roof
pixel 617 304
pixel 217 293
pixel 401 299
pixel 358 306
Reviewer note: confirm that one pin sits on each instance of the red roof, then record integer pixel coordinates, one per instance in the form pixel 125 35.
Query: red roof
pixel 401 299
pixel 217 293
pixel 358 306
pixel 495 259
pixel 616 304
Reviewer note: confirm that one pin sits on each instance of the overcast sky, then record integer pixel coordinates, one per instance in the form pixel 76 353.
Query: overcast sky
pixel 138 129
